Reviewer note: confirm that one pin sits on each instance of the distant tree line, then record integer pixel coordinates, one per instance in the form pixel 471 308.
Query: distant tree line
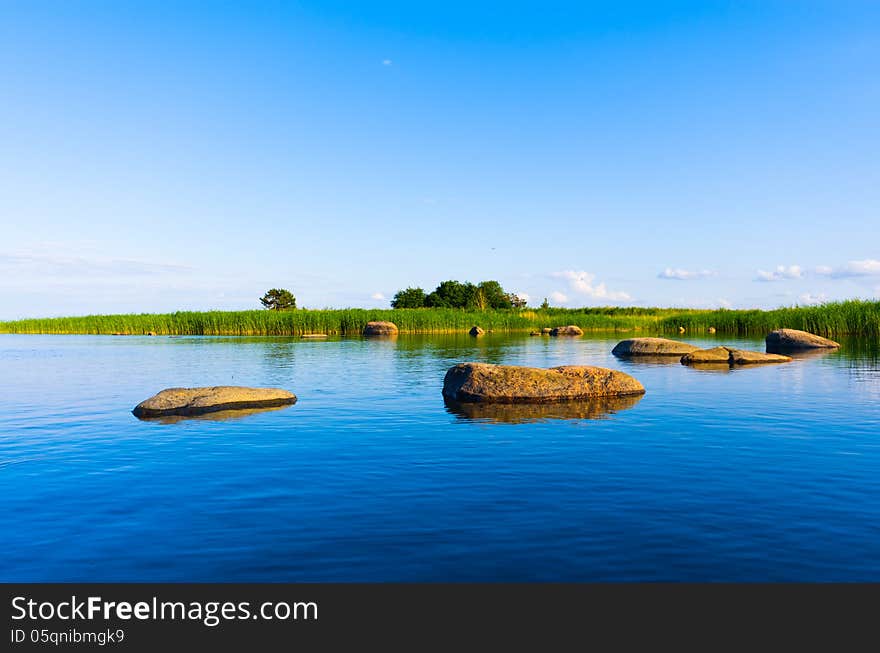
pixel 455 294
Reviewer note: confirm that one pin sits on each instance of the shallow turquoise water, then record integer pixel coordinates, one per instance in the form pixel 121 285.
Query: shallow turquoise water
pixel 769 473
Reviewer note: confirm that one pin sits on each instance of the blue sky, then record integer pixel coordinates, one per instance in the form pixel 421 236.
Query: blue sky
pixel 164 156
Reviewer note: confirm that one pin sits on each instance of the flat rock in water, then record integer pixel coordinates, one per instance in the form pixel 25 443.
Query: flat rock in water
pixel 515 384
pixel 652 347
pixel 790 339
pixel 196 401
pixel 380 329
pixel 476 331
pixel 570 330
pixel 731 356
pixel 743 357
pixel 313 335
pixel 714 355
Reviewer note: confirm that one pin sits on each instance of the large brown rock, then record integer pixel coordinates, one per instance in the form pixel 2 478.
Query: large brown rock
pixel 380 329
pixel 570 330
pixel 792 339
pixel 476 331
pixel 652 347
pixel 514 384
pixel 731 356
pixel 196 401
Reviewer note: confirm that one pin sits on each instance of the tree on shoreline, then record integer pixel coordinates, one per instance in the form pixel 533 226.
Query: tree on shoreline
pixel 516 301
pixel 278 299
pixel 451 294
pixel 409 298
pixel 455 294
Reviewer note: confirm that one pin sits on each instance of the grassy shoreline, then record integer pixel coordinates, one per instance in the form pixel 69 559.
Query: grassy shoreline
pixel 854 317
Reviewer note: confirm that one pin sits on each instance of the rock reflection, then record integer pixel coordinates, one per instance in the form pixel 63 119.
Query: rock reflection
pixel 215 416
pixel 524 413
pixel 650 360
pixel 806 354
pixel 718 367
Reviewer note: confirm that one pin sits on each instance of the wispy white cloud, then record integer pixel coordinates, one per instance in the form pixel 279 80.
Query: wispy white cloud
pixel 584 283
pixel 377 295
pixel 73 266
pixel 524 296
pixel 387 62
pixel 781 273
pixel 864 268
pixel 684 275
pixel 558 297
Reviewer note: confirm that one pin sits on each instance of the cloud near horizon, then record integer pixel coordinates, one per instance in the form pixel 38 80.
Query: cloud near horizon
pixel 583 283
pixel 377 296
pixel 811 299
pixel 558 297
pixel 781 273
pixel 685 275
pixel 864 268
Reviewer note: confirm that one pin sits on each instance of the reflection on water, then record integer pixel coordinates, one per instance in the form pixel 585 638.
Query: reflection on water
pixel 717 367
pixel 808 354
pixel 650 360
pixel 598 408
pixel 214 416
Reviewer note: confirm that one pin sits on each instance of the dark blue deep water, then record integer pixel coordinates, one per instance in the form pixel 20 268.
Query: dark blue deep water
pixel 769 473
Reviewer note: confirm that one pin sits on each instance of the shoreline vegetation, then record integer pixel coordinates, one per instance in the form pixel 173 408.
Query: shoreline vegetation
pixel 853 317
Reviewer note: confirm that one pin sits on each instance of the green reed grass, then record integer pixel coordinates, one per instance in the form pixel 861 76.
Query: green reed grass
pixel 854 317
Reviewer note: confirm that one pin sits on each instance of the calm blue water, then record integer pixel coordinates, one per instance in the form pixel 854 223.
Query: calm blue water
pixel 769 473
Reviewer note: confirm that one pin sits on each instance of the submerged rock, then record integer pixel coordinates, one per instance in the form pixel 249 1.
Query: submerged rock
pixel 570 330
pixel 652 347
pixel 731 356
pixel 313 335
pixel 482 382
pixel 476 331
pixel 788 339
pixel 546 331
pixel 196 401
pixel 380 329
